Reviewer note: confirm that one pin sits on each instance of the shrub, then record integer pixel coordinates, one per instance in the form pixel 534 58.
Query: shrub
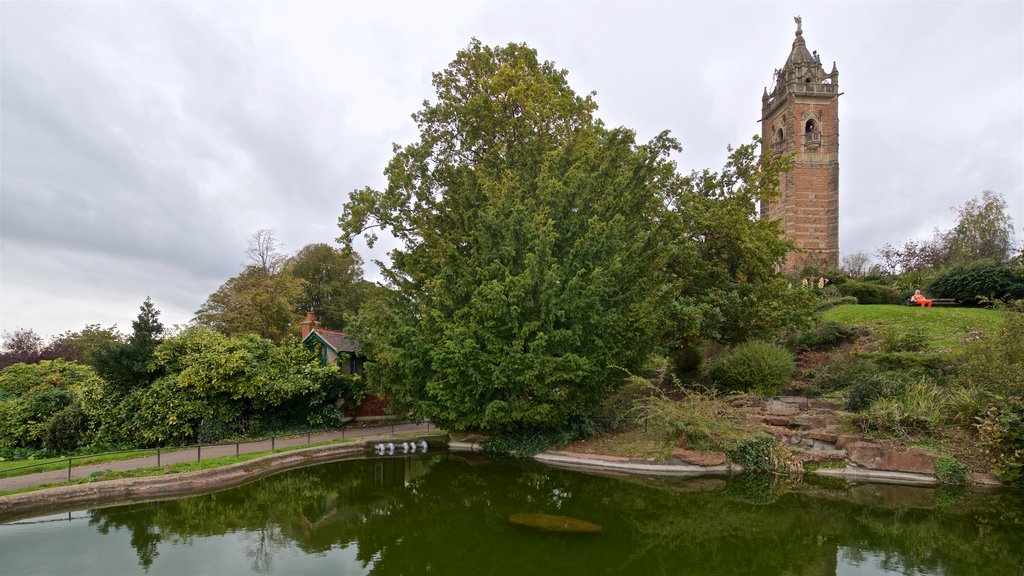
pixel 527 442
pixel 866 293
pixel 868 387
pixel 67 430
pixel 617 410
pixel 995 363
pixel 831 301
pixel 687 358
pixel 753 366
pixel 844 368
pixel 707 421
pixel 920 407
pixel 1002 434
pixel 761 454
pixel 825 335
pixel 973 283
pixel 950 471
pixel 904 339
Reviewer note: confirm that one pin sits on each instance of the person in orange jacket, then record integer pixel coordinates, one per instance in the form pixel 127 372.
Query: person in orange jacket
pixel 920 299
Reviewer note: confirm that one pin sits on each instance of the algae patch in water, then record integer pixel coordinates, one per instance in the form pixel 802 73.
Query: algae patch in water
pixel 552 523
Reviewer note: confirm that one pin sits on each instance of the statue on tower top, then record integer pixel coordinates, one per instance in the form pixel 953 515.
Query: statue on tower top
pixel 799 24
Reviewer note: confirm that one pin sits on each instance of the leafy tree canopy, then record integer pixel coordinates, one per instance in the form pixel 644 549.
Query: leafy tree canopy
pixel 725 259
pixel 254 302
pixel 25 346
pixel 529 281
pixel 333 288
pixel 91 340
pixel 273 293
pixel 983 231
pixel 126 366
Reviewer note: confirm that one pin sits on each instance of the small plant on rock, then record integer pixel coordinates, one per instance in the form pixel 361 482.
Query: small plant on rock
pixel 950 471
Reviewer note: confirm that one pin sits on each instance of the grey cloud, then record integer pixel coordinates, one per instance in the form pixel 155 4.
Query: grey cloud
pixel 141 143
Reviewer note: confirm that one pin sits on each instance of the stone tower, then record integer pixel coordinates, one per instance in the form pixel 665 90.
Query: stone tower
pixel 801 116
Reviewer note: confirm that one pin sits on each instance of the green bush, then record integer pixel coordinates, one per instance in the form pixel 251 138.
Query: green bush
pixel 843 368
pixel 825 335
pixel 904 339
pixel 67 430
pixel 980 281
pixel 994 364
pixel 761 454
pixel 1002 434
pixel 706 420
pixel 868 387
pixel 866 293
pixel 618 410
pixel 919 408
pixel 754 366
pixel 832 301
pixel 950 471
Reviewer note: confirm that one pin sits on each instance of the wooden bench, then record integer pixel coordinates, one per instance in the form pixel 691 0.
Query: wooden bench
pixel 938 302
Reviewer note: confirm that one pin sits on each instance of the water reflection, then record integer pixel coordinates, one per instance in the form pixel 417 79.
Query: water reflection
pixel 448 515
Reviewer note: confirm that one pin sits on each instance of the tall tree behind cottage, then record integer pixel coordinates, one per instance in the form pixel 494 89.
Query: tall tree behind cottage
pixel 528 282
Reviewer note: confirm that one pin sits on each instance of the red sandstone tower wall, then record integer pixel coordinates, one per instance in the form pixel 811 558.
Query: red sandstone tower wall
pixel 800 116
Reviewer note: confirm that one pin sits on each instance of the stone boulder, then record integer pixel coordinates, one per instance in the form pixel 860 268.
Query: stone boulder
pixel 699 458
pixel 780 408
pixel 877 457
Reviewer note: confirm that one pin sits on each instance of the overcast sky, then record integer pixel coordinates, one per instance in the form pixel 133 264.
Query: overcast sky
pixel 142 143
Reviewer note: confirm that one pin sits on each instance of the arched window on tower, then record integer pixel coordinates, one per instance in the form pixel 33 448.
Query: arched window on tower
pixel 812 137
pixel 779 136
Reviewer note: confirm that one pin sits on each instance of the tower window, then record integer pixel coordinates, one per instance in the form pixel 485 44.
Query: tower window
pixel 810 127
pixel 779 135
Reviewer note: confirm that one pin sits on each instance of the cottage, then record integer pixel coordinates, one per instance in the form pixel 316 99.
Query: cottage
pixel 338 348
pixel 335 347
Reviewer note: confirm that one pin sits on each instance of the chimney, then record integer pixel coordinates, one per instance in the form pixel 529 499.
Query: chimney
pixel 308 324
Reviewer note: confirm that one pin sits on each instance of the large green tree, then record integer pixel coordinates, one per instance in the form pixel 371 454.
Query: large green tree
pixel 529 278
pixel 257 301
pixel 726 259
pixel 334 287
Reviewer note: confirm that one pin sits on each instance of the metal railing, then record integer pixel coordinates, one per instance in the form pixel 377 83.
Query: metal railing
pixel 238 444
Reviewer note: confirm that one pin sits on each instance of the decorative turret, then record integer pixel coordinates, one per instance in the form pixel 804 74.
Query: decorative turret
pixel 800 116
pixel 802 73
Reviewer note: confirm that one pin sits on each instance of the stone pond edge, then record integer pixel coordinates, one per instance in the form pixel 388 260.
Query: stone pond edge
pixel 630 466
pixel 108 493
pixel 150 488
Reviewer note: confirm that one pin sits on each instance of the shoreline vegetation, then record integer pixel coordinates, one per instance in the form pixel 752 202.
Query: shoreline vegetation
pixel 645 436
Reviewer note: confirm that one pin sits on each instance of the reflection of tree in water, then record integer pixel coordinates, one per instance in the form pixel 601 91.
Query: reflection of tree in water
pixel 448 515
pixel 314 508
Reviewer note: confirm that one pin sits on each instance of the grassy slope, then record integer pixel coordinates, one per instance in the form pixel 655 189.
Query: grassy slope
pixel 946 327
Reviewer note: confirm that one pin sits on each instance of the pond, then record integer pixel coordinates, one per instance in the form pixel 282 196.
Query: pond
pixel 449 515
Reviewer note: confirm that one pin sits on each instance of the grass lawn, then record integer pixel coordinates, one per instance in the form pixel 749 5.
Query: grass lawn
pixel 53 464
pixel 946 327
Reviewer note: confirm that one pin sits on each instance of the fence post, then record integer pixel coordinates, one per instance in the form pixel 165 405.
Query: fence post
pixel 273 442
pixel 236 449
pixel 199 452
pixel 158 457
pixel 308 436
pixel 69 469
pixel 342 431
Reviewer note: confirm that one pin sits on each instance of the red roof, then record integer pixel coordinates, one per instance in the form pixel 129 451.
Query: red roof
pixel 339 341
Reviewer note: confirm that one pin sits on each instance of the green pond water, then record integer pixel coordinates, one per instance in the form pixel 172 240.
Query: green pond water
pixel 449 515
